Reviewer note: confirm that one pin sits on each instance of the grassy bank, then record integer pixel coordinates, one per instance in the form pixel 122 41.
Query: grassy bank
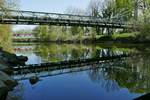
pixel 124 38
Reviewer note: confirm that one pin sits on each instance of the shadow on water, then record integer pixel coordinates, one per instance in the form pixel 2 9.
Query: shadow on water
pixel 124 79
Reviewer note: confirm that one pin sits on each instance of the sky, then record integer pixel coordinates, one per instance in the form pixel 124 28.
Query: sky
pixel 52 6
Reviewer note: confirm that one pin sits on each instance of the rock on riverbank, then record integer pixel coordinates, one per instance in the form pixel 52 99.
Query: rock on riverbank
pixel 7 61
pixel 12 59
pixel 6 84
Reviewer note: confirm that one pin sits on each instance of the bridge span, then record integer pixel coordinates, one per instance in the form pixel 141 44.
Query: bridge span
pixel 43 18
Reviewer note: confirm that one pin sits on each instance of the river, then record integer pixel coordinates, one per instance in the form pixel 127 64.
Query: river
pixel 120 79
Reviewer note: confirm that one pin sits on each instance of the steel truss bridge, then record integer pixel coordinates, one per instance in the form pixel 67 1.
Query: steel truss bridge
pixel 42 18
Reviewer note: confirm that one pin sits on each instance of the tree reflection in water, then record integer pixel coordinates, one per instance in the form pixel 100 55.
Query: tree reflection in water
pixel 135 77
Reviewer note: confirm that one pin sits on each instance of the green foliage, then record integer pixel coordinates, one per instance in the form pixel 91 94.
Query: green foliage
pixel 124 35
pixel 145 31
pixel 118 9
pixel 144 23
pixel 42 32
pixel 5 37
pixel 58 33
pixel 74 30
pixel 5 30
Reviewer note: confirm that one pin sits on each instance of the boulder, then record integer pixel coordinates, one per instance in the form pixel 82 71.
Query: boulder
pixel 12 59
pixel 143 97
pixel 8 71
pixel 3 66
pixel 33 80
pixel 4 77
pixel 6 85
pixel 3 91
pixel 22 58
pixel 9 83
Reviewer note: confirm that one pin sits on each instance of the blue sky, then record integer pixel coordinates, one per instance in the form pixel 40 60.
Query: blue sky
pixel 53 6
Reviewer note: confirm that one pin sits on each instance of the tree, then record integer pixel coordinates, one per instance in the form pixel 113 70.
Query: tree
pixel 5 30
pixel 143 6
pixel 42 32
pixel 94 8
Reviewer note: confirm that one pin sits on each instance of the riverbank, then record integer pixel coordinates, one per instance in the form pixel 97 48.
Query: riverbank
pixel 134 38
pixel 115 38
pixel 7 61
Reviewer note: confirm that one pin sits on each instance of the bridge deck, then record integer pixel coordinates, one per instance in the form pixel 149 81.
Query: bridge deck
pixel 42 18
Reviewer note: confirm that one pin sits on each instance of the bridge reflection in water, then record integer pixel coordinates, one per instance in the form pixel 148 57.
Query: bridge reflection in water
pixel 57 68
pixel 104 58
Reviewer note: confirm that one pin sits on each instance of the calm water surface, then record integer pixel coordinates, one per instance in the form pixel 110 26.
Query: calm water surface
pixel 121 79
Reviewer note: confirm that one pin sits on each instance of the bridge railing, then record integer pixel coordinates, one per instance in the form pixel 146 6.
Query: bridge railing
pixel 50 15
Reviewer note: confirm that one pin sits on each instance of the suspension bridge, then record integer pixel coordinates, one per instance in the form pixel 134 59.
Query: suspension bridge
pixel 18 17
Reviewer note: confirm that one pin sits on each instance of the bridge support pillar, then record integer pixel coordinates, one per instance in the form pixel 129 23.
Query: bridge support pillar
pixel 109 31
pixel 102 31
pixel 98 30
pixel 124 30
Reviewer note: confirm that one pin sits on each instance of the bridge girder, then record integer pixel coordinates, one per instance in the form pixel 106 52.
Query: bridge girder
pixel 42 18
